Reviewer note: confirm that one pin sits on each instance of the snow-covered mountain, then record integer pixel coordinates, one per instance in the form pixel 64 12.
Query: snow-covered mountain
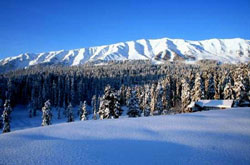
pixel 165 49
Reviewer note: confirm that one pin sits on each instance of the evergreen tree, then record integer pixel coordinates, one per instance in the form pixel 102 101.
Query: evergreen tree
pixel 228 91
pixel 147 100
pixel 211 87
pixel 47 115
pixel 122 94
pixel 110 104
pixel 153 99
pixel 6 116
pixel 167 96
pixel 134 110
pixel 239 90
pixel 84 112
pixel 198 90
pixel 70 113
pixel 128 95
pixel 185 95
pixel 1 110
pixel 94 106
pixel 159 96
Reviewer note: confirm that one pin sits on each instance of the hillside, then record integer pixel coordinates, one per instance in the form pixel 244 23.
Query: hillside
pixel 157 50
pixel 209 137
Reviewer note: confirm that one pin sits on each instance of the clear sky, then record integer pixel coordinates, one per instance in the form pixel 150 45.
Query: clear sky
pixel 46 25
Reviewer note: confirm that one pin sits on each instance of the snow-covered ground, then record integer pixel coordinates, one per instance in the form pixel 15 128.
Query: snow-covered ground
pixel 208 137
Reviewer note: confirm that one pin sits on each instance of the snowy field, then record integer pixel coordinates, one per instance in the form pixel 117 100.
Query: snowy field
pixel 208 137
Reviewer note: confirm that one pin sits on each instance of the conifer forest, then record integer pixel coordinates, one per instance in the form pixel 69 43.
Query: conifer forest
pixel 146 89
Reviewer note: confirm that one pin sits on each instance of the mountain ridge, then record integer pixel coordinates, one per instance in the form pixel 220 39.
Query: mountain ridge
pixel 165 49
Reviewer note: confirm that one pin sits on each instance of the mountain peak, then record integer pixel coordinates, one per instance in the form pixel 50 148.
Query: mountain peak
pixel 165 49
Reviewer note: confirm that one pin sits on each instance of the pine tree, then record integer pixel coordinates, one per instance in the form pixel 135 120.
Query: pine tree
pixel 1 110
pixel 6 116
pixel 211 87
pixel 84 113
pixel 134 110
pixel 128 95
pixel 198 90
pixel 185 95
pixel 228 91
pixel 70 113
pixel 122 94
pixel 110 104
pixel 147 100
pixel 167 96
pixel 47 115
pixel 94 104
pixel 153 99
pixel 117 108
pixel 159 96
pixel 239 89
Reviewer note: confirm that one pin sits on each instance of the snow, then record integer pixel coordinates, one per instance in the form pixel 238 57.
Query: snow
pixel 215 103
pixel 208 137
pixel 223 50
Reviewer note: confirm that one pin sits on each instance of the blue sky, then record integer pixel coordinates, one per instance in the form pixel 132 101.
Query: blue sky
pixel 46 25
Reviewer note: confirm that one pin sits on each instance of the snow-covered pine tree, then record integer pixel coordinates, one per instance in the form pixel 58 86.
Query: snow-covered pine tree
pixel 117 107
pixel 185 95
pixel 153 99
pixel 140 96
pixel 70 113
pixel 167 99
pixel 128 95
pixel 122 94
pixel 47 115
pixel 93 104
pixel 228 91
pixel 147 100
pixel 103 109
pixel 216 86
pixel 133 108
pixel 84 112
pixel 198 89
pixel 159 96
pixel 6 116
pixel 211 87
pixel 109 104
pixel 239 89
pixel 1 110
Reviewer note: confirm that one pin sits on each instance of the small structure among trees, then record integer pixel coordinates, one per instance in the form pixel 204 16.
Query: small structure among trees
pixel 210 104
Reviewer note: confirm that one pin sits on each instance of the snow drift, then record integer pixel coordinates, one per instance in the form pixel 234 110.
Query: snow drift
pixel 165 49
pixel 211 137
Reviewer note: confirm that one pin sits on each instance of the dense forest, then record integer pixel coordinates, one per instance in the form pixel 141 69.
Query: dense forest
pixel 164 88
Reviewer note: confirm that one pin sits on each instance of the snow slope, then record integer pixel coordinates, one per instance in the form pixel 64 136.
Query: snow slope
pixel 209 137
pixel 165 49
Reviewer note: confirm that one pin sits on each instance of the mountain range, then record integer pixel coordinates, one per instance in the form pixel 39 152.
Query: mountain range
pixel 157 50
